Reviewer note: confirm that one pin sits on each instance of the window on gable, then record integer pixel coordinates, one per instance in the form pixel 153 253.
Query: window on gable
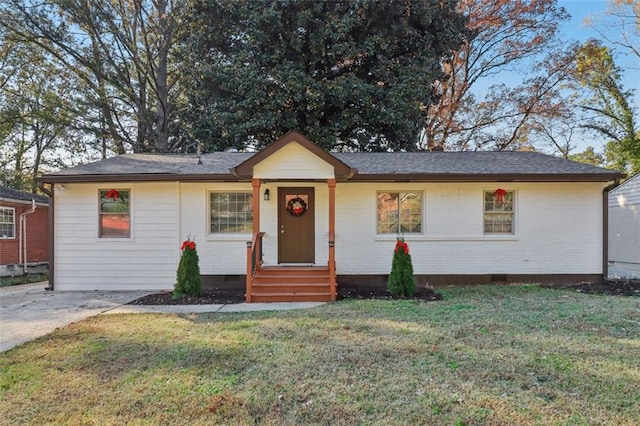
pixel 399 212
pixel 498 212
pixel 7 222
pixel 115 213
pixel 231 212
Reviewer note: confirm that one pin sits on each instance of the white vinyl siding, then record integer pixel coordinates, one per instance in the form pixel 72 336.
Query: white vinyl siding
pixel 624 230
pixel 7 222
pixel 147 260
pixel 293 161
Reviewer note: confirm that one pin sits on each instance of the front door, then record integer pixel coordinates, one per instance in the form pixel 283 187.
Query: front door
pixel 296 225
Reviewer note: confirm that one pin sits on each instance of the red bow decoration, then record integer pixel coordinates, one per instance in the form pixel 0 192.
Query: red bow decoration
pixel 112 193
pixel 190 244
pixel 499 195
pixel 402 245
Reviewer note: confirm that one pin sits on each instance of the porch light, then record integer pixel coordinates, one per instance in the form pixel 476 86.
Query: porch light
pixel 266 195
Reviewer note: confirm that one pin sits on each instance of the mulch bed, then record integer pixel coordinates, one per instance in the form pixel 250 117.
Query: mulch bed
pixel 609 288
pixel 226 296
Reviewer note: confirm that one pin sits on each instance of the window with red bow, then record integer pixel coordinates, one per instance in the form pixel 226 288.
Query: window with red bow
pixel 499 212
pixel 115 213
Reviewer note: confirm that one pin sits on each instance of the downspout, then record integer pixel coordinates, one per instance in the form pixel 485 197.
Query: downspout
pixel 22 240
pixel 49 193
pixel 605 227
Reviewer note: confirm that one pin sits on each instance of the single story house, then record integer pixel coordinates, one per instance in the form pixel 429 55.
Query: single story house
pixel 291 222
pixel 624 230
pixel 24 232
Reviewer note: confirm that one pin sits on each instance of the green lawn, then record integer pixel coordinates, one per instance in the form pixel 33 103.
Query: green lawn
pixel 23 279
pixel 483 356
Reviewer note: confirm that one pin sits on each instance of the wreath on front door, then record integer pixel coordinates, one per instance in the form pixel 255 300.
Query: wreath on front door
pixel 296 207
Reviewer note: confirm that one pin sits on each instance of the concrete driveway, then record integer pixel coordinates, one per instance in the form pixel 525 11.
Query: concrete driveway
pixel 28 311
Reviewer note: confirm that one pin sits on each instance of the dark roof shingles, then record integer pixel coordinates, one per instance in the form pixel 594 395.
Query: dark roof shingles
pixel 367 164
pixel 13 194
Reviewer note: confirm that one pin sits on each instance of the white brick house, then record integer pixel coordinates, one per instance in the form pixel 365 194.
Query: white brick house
pixel 468 217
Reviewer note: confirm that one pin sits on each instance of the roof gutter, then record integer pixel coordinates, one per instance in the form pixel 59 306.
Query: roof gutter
pixel 50 193
pixel 138 177
pixel 605 226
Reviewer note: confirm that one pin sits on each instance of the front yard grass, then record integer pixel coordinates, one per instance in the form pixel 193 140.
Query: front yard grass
pixel 23 279
pixel 484 355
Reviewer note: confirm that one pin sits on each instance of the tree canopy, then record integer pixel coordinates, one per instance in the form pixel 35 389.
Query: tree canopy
pixel 355 75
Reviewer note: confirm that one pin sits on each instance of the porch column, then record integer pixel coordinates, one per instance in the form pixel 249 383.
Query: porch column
pixel 251 256
pixel 332 238
pixel 256 205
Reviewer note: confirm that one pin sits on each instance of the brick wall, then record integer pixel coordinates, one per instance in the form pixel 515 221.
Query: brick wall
pixel 37 235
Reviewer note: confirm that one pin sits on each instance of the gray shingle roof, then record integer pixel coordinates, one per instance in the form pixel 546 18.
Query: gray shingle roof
pixel 480 165
pixel 174 164
pixel 13 194
pixel 467 162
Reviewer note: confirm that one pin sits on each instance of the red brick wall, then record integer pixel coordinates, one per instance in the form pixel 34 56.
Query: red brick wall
pixel 37 235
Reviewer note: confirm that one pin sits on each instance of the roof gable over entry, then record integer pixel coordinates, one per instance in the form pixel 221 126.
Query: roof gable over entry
pixel 293 157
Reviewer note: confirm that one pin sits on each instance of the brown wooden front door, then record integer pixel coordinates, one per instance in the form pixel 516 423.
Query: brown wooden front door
pixel 296 225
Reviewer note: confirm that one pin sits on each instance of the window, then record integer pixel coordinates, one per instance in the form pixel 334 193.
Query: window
pixel 115 213
pixel 498 212
pixel 7 222
pixel 231 212
pixel 399 212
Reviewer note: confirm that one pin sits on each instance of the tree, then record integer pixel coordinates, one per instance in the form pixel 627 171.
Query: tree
pixel 504 34
pixel 624 17
pixel 188 279
pixel 352 75
pixel 402 283
pixel 121 53
pixel 608 105
pixel 588 156
pixel 36 114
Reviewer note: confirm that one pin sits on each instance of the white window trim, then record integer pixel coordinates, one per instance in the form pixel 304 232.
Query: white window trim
pixel 224 236
pixel 514 221
pixel 2 237
pixel 111 240
pixel 406 236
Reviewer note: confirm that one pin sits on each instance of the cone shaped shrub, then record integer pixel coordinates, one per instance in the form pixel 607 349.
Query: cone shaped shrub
pixel 188 280
pixel 401 280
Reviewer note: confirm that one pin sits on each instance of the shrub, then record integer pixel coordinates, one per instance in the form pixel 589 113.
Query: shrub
pixel 402 283
pixel 188 280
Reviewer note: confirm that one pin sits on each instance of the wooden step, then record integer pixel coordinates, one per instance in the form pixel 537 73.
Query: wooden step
pixel 291 297
pixel 292 270
pixel 290 279
pixel 261 287
pixel 291 284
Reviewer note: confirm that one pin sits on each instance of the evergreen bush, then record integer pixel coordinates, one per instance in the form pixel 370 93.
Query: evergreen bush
pixel 188 280
pixel 401 280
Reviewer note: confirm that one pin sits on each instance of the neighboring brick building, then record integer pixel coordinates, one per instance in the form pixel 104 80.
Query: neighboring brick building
pixel 13 204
